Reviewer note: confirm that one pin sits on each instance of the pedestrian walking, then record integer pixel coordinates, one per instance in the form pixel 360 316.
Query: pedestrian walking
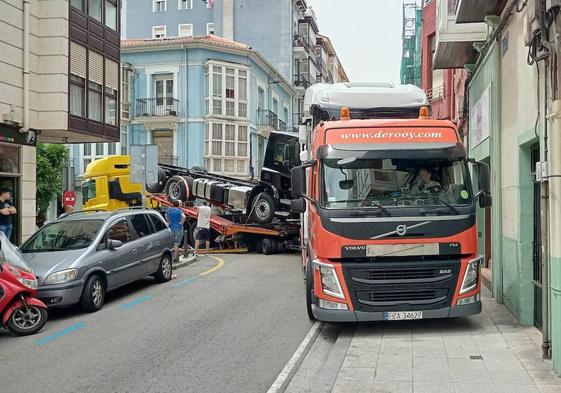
pixel 7 211
pixel 176 218
pixel 202 233
pixel 67 211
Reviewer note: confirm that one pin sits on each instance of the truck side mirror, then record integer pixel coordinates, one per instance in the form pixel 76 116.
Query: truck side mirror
pixel 298 206
pixel 485 200
pixel 298 179
pixel 484 177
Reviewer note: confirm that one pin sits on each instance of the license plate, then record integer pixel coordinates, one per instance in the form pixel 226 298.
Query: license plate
pixel 402 315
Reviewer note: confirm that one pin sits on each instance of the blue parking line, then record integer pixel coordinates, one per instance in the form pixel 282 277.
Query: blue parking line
pixel 132 303
pixel 60 333
pixel 185 282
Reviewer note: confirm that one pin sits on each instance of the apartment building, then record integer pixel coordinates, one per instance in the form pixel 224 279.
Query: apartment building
pixel 512 122
pixel 59 83
pixel 287 34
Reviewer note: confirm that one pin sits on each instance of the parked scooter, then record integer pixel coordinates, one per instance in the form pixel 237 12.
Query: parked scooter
pixel 20 311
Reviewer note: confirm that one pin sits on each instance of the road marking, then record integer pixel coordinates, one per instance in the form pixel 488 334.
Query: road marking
pixel 185 282
pixel 132 303
pixel 215 267
pixel 285 376
pixel 60 333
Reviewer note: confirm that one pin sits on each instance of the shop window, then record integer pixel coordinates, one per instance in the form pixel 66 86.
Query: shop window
pixel 10 159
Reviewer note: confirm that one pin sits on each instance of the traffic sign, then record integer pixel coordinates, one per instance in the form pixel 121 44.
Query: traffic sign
pixel 68 198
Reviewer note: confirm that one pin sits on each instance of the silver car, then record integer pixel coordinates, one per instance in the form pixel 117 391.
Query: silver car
pixel 80 257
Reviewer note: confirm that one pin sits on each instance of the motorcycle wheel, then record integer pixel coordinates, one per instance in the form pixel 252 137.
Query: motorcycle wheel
pixel 25 323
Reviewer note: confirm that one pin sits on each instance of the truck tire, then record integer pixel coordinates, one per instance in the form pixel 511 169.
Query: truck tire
pixel 310 290
pixel 191 234
pixel 160 185
pixel 178 189
pixel 267 246
pixel 263 209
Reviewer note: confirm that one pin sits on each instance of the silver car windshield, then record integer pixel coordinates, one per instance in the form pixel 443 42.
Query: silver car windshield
pixel 359 183
pixel 63 236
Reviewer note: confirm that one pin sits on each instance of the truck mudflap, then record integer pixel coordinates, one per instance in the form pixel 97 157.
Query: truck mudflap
pixel 322 314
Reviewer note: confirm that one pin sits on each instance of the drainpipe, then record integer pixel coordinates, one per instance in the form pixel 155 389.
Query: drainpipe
pixel 186 115
pixel 545 247
pixel 26 50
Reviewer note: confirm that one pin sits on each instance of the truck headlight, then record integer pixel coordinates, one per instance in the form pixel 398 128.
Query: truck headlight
pixel 329 280
pixel 471 276
pixel 31 284
pixel 61 277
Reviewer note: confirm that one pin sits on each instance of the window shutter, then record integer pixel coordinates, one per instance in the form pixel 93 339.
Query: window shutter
pixel 78 62
pixel 96 68
pixel 111 74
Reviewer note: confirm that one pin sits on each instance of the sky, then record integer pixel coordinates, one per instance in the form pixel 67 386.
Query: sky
pixel 366 35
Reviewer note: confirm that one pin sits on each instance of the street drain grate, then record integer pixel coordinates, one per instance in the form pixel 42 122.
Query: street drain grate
pixel 476 357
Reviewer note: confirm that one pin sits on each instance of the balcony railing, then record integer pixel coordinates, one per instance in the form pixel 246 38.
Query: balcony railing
pixel 157 107
pixel 267 118
pixel 168 160
pixel 282 125
pixel 435 93
pixel 302 80
pixel 300 41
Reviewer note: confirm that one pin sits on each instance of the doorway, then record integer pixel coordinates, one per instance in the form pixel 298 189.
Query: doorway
pixel 164 140
pixel 11 183
pixel 164 95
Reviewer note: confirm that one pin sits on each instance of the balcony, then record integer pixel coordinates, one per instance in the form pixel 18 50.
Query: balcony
pixel 301 45
pixel 302 80
pixel 157 107
pixel 267 120
pixel 474 11
pixel 454 42
pixel 282 126
pixel 435 93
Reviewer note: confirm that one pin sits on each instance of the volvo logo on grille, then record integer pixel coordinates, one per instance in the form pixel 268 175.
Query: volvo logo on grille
pixel 401 230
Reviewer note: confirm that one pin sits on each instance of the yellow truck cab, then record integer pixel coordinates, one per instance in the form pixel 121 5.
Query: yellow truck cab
pixel 107 185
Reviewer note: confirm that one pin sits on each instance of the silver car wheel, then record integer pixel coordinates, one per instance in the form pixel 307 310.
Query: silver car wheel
pixel 97 293
pixel 26 319
pixel 166 267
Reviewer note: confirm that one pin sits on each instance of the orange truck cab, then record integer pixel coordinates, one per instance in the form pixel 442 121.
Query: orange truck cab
pixel 388 207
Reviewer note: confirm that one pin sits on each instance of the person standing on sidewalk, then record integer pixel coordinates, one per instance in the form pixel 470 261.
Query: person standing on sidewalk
pixel 203 227
pixel 7 210
pixel 176 218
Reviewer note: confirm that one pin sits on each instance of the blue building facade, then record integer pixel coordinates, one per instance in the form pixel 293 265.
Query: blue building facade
pixel 205 101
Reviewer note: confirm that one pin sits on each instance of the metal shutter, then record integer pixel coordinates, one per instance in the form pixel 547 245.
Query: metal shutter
pixel 96 68
pixel 78 64
pixel 111 74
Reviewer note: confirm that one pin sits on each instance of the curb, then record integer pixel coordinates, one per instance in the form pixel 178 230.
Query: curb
pixel 184 262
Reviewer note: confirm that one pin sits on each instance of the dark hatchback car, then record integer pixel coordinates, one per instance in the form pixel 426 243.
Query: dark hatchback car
pixel 78 258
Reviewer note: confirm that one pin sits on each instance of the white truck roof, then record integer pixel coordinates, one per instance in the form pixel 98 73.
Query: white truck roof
pixel 363 96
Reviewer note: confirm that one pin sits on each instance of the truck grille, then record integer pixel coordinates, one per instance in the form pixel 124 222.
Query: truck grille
pixel 402 286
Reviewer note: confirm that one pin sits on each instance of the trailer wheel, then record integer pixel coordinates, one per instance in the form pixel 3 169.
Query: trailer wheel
pixel 267 247
pixel 310 290
pixel 263 209
pixel 160 185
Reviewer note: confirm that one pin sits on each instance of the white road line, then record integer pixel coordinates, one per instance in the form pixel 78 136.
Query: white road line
pixel 285 376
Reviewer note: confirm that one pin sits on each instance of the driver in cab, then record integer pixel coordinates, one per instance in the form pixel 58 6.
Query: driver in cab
pixel 425 183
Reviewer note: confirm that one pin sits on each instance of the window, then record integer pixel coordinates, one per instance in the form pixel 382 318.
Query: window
pixel 159 6
pixel 140 225
pixel 120 231
pixel 229 87
pixel 125 93
pixel 185 4
pixel 94 101
pixel 227 148
pixel 78 4
pixel 63 236
pixel 86 163
pixel 210 29
pixel 77 96
pixel 124 140
pixel 10 159
pixel 87 149
pixel 111 14
pixel 110 106
pixel 186 30
pixel 157 223
pixel 112 149
pixel 99 149
pixel 95 9
pixel 158 32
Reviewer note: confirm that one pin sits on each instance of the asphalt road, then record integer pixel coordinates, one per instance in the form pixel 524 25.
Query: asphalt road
pixel 231 330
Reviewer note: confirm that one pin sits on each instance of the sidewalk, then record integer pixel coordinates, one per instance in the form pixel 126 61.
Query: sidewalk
pixel 487 353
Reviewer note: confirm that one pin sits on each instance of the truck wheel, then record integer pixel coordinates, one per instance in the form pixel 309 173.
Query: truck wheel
pixel 191 234
pixel 160 185
pixel 176 189
pixel 263 209
pixel 310 290
pixel 267 246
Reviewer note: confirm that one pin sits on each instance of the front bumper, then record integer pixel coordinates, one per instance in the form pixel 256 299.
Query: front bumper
pixel 322 314
pixel 63 295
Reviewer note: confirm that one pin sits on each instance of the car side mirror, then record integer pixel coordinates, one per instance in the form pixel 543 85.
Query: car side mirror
pixel 113 244
pixel 298 179
pixel 298 206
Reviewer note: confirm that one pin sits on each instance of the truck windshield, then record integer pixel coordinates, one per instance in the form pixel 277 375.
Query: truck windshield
pixel 88 190
pixel 386 183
